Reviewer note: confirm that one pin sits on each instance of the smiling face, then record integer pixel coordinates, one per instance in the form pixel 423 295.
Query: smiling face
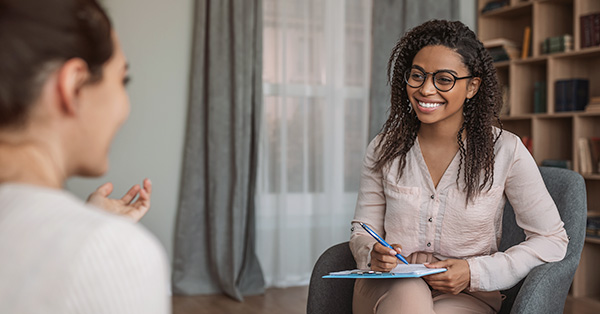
pixel 432 105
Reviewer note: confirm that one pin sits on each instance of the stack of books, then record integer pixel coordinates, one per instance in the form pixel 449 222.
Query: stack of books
pixel 590 30
pixel 589 154
pixel 502 49
pixel 593 105
pixel 562 43
pixel 592 227
pixel 571 94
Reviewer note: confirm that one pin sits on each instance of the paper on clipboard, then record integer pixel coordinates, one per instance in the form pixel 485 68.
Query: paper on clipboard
pixel 400 271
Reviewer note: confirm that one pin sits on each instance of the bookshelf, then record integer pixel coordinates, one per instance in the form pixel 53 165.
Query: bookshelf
pixel 554 134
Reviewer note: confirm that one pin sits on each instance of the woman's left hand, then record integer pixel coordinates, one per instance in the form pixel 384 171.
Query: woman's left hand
pixel 454 280
pixel 124 206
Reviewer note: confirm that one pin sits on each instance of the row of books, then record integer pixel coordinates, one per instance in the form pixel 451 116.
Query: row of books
pixel 571 94
pixel 494 5
pixel 594 105
pixel 592 227
pixel 589 154
pixel 502 49
pixel 590 30
pixel 562 43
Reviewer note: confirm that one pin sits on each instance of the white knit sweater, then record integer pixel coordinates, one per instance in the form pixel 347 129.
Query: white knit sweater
pixel 59 255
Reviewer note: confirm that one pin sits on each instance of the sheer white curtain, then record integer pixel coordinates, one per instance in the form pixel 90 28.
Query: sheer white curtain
pixel 316 69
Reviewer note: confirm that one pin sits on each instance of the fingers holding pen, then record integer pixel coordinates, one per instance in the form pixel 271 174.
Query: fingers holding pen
pixel 383 258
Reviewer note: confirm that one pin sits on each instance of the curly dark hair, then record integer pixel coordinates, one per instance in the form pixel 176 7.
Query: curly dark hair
pixel 399 132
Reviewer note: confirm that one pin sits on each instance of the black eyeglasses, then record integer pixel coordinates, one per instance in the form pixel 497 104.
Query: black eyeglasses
pixel 443 80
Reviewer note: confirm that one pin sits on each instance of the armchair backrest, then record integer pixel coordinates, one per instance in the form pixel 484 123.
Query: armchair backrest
pixel 567 189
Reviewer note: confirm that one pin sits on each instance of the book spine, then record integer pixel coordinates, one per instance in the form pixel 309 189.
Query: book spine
pixel 539 97
pixel 559 105
pixel 585 31
pixel 580 94
pixel 595 148
pixel 596 29
pixel 569 94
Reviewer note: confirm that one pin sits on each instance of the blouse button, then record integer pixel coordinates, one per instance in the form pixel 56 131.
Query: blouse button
pixel 432 196
pixel 428 244
pixel 430 219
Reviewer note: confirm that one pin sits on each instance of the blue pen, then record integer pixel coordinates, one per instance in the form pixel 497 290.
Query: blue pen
pixel 382 241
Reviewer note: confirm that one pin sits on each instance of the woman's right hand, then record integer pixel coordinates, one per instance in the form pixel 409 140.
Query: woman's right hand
pixel 383 258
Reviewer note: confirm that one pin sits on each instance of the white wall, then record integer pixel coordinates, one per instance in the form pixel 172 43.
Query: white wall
pixel 156 37
pixel 467 13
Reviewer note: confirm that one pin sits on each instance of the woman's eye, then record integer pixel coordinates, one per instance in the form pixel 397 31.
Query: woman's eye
pixel 416 76
pixel 444 80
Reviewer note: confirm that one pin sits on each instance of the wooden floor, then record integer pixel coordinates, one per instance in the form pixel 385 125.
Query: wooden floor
pixel 288 300
pixel 293 301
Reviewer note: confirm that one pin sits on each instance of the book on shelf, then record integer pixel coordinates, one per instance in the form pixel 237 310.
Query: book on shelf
pixel 558 163
pixel 494 5
pixel 594 105
pixel 590 30
pixel 502 49
pixel 592 226
pixel 528 142
pixel 585 155
pixel 562 43
pixel 525 51
pixel 571 95
pixel 539 97
pixel 595 153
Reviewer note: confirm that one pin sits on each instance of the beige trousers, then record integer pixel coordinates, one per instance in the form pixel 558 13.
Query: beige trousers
pixel 413 295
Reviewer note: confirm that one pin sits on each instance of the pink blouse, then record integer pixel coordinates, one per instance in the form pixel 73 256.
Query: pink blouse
pixel 422 218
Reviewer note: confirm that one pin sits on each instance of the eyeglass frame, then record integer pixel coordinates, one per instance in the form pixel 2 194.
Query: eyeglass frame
pixel 433 74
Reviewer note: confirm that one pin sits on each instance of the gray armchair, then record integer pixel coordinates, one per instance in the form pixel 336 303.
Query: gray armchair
pixel 543 291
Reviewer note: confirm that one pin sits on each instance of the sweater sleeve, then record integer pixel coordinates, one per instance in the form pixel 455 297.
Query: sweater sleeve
pixel 370 209
pixel 120 269
pixel 535 212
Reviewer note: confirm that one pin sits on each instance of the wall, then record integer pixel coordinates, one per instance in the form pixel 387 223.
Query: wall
pixel 467 13
pixel 156 37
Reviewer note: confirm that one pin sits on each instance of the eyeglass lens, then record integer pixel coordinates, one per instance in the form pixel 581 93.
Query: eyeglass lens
pixel 443 81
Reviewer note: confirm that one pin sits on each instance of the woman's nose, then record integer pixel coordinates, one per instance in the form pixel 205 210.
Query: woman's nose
pixel 428 87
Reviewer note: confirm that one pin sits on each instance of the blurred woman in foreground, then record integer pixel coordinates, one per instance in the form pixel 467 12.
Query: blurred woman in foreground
pixel 62 99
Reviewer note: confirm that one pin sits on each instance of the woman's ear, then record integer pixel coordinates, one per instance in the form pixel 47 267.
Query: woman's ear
pixel 72 76
pixel 473 87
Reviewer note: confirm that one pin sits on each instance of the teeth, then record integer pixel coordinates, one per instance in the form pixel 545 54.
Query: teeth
pixel 430 105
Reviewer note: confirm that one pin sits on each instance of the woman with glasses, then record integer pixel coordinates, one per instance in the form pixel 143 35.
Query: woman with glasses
pixel 435 181
pixel 62 100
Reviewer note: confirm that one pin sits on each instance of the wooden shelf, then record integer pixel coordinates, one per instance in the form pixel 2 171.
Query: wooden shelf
pixel 593 176
pixel 582 305
pixel 502 64
pixel 592 240
pixel 555 135
pixel 530 60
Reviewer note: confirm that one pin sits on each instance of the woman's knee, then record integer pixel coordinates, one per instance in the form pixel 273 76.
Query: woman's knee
pixel 409 286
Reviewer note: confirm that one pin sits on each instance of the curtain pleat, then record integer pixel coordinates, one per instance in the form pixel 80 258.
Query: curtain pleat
pixel 215 233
